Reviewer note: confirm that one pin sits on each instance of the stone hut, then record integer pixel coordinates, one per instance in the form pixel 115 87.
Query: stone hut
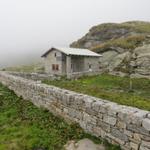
pixel 67 61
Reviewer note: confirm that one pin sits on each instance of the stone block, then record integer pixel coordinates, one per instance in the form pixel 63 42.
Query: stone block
pixel 110 120
pixel 116 140
pixel 96 106
pixel 134 146
pixel 121 125
pixel 143 148
pixel 106 127
pixel 140 130
pixel 103 109
pixel 146 144
pixel 128 133
pixel 118 134
pixel 146 124
pixel 137 137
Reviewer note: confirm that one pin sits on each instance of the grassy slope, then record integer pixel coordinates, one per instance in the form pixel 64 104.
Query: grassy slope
pixel 23 126
pixel 112 88
pixel 34 67
pixel 130 42
pixel 139 26
pixel 127 42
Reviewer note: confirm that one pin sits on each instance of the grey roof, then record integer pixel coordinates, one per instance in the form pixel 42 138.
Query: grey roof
pixel 74 51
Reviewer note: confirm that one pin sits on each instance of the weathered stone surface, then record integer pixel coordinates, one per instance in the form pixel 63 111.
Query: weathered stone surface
pixel 146 144
pixel 110 137
pixel 106 127
pixel 99 132
pixel 146 124
pixel 110 120
pixel 143 148
pixel 134 146
pixel 113 110
pixel 84 144
pixel 96 105
pixel 121 125
pixel 118 134
pixel 128 133
pixel 137 137
pixel 136 129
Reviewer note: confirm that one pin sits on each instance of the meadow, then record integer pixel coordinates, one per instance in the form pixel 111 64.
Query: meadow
pixel 112 88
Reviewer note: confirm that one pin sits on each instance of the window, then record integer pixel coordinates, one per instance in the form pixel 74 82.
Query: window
pixel 90 66
pixel 55 54
pixel 55 67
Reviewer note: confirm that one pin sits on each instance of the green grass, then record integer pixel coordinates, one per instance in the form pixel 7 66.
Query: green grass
pixel 140 26
pixel 113 38
pixel 130 42
pixel 33 67
pixel 23 126
pixel 112 88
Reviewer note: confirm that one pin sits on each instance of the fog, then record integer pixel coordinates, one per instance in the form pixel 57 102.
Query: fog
pixel 30 27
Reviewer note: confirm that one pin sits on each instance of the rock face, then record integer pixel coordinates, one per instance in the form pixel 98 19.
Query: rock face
pixel 136 63
pixel 125 47
pixel 142 60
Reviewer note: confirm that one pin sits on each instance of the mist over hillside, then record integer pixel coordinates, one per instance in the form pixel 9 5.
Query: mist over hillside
pixel 24 59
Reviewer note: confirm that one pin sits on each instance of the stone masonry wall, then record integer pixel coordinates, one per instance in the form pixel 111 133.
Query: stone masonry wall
pixel 34 76
pixel 127 126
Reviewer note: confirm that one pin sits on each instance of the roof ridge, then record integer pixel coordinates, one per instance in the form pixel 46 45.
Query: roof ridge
pixel 73 51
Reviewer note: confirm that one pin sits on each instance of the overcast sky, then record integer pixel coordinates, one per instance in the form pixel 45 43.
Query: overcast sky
pixel 30 27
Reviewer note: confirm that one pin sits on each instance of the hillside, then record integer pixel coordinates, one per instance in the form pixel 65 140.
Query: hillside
pixel 125 47
pixel 33 67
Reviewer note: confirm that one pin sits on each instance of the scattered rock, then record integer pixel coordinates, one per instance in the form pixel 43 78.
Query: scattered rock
pixel 84 144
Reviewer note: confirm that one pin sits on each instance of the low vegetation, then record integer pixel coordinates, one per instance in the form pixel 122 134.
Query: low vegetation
pixel 129 42
pixel 139 26
pixel 136 26
pixel 23 126
pixel 112 88
pixel 34 67
pixel 125 35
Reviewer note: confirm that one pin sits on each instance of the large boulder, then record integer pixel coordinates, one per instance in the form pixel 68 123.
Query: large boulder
pixel 84 144
pixel 142 60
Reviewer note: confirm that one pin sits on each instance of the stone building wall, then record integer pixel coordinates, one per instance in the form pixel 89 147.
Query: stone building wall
pixel 54 57
pixel 127 126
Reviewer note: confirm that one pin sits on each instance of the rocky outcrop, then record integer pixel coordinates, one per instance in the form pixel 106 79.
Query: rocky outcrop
pixel 125 47
pixel 142 60
pixel 136 62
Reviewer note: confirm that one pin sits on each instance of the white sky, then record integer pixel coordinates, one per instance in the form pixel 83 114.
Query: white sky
pixel 30 27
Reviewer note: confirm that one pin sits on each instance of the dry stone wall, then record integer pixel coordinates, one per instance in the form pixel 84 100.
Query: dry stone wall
pixel 127 126
pixel 34 76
